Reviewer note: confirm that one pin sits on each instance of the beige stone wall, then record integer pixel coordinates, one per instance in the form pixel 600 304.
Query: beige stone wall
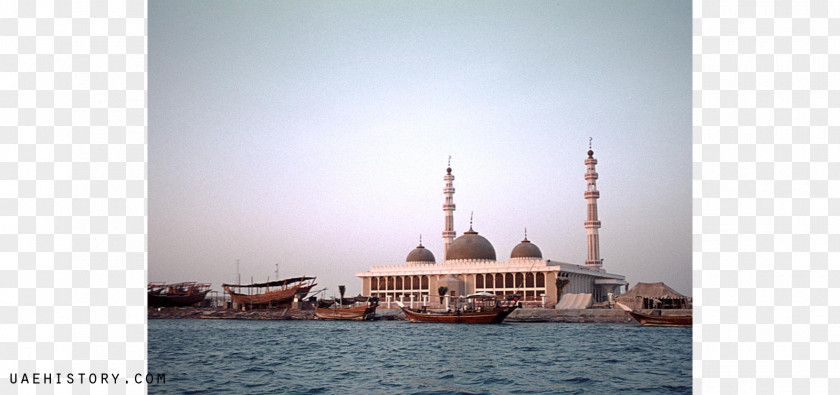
pixel 550 288
pixel 456 285
pixel 469 283
pixel 366 285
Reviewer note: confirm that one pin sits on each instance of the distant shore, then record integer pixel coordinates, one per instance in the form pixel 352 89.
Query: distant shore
pixel 229 314
pixel 601 316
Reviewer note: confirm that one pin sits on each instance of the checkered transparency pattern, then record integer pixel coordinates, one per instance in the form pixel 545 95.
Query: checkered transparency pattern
pixel 72 192
pixel 766 196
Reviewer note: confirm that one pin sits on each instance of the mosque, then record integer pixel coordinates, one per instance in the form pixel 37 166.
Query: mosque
pixel 470 266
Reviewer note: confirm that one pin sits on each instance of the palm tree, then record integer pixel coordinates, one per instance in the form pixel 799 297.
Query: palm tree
pixel 442 292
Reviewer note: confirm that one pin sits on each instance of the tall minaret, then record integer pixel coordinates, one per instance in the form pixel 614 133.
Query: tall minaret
pixel 593 256
pixel 449 209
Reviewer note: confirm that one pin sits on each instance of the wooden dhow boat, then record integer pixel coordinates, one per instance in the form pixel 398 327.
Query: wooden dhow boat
pixel 481 308
pixel 156 288
pixel 655 318
pixel 278 293
pixel 176 295
pixel 358 311
pixel 350 301
pixel 679 316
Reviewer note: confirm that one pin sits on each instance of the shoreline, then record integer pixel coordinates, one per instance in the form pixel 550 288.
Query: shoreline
pixel 599 316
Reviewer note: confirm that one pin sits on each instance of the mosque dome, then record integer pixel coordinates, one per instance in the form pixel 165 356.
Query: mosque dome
pixel 420 254
pixel 526 249
pixel 471 246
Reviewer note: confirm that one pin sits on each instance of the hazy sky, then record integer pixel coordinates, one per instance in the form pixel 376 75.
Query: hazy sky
pixel 315 135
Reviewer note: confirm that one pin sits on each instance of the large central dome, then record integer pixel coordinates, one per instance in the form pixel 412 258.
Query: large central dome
pixel 471 246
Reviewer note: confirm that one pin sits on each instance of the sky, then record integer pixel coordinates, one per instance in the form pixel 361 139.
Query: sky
pixel 315 135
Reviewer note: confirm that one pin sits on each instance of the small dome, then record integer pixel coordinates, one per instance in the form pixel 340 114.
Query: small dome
pixel 471 246
pixel 420 254
pixel 526 249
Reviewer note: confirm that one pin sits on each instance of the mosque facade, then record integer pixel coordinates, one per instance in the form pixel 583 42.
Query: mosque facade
pixel 470 264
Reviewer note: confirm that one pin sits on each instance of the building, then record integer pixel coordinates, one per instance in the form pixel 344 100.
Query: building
pixel 470 264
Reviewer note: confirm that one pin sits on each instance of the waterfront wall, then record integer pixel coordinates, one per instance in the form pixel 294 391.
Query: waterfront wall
pixel 598 316
pixel 601 316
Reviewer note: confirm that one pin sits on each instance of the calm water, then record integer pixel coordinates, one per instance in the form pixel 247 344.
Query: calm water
pixel 311 357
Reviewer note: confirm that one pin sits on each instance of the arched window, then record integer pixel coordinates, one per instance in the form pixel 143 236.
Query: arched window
pixel 479 281
pixel 500 283
pixel 415 282
pixel 519 281
pixel 529 280
pixel 540 280
pixel 399 283
pixel 374 284
pixel 390 283
pixel 508 280
pixel 489 278
pixel 425 283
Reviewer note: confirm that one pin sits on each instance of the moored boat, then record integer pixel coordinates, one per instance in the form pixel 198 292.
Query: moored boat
pixel 482 308
pixel 357 312
pixel 176 295
pixel 655 318
pixel 324 303
pixel 679 315
pixel 278 293
pixel 156 288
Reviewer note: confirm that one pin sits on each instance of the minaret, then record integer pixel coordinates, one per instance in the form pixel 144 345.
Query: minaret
pixel 449 209
pixel 593 256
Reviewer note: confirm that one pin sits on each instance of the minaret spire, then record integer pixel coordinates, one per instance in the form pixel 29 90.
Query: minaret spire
pixel 593 255
pixel 448 209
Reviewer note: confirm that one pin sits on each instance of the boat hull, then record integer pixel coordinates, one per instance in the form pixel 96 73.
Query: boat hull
pixel 662 320
pixel 158 300
pixel 346 314
pixel 269 299
pixel 495 316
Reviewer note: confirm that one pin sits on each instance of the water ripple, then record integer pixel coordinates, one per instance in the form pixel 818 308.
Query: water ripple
pixel 323 357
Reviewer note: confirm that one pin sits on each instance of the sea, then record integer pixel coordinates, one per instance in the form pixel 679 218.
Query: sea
pixel 400 357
